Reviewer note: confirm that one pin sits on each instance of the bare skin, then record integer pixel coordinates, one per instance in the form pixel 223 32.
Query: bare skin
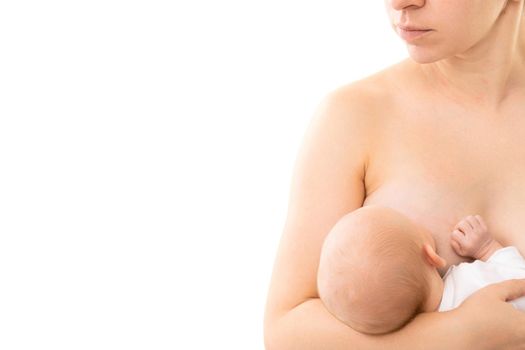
pixel 354 233
pixel 472 238
pixel 437 136
pixel 477 168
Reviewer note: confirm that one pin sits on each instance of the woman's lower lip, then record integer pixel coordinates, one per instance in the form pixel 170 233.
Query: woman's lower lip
pixel 412 34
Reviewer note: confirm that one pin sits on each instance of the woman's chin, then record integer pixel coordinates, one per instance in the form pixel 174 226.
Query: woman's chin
pixel 423 56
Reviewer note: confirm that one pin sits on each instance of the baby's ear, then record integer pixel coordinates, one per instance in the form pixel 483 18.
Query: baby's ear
pixel 432 257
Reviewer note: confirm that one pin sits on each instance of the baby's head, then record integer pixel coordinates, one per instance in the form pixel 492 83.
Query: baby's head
pixel 378 269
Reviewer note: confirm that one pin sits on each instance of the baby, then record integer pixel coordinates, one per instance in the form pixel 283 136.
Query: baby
pixel 378 269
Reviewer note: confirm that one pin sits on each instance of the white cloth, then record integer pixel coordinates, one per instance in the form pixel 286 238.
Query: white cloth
pixel 461 280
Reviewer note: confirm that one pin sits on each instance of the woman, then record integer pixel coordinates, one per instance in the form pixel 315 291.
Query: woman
pixel 438 136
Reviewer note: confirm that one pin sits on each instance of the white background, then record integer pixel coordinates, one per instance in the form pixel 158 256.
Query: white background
pixel 146 150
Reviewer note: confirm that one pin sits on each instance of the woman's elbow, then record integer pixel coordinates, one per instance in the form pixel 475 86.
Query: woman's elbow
pixel 269 341
pixel 271 330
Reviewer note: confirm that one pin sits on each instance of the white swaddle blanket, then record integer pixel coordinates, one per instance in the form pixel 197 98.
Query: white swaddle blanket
pixel 461 280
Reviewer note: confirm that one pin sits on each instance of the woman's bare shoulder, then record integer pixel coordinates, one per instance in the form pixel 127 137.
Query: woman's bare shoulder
pixel 373 94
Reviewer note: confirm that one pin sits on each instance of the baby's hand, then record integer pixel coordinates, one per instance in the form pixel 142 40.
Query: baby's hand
pixel 471 238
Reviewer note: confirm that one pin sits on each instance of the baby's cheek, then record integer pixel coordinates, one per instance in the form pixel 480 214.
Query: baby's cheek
pixel 436 293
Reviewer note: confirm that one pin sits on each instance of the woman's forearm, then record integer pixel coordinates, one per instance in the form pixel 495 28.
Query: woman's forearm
pixel 310 326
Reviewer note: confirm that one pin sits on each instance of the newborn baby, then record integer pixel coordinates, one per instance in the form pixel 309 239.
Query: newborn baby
pixel 378 269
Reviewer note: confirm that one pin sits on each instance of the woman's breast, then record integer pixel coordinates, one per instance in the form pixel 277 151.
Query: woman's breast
pixel 437 179
pixel 437 210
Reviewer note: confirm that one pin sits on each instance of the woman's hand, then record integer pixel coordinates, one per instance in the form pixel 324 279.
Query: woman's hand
pixel 494 323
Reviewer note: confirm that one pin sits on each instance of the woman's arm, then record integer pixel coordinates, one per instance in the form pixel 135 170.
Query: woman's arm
pixel 329 182
pixel 485 321
pixel 309 326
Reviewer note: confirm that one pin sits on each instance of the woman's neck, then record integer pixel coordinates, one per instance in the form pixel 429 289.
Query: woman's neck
pixel 489 72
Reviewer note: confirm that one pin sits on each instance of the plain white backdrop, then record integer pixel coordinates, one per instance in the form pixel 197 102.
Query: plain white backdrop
pixel 146 150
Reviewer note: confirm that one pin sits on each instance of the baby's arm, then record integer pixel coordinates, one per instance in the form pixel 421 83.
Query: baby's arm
pixel 471 238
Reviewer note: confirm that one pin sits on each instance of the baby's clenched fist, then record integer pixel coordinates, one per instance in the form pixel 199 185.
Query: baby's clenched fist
pixel 471 238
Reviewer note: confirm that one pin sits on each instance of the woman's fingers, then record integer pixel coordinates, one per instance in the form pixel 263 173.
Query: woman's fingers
pixel 510 289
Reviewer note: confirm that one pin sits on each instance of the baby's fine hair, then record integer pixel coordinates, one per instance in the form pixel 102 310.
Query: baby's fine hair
pixel 378 283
